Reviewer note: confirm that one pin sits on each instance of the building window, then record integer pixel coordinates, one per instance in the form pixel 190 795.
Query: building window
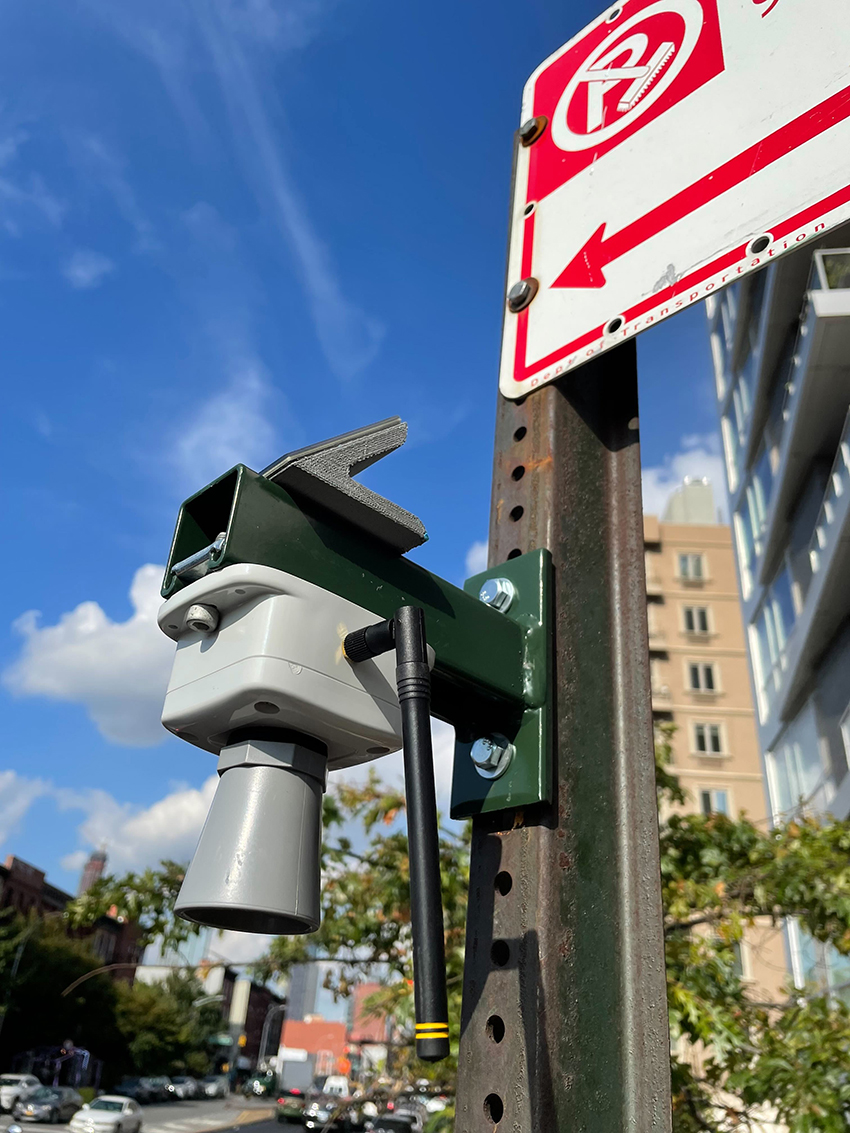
pixel 797 779
pixel 701 677
pixel 773 626
pixel 713 800
pixel 708 739
pixel 845 732
pixel 691 567
pixel 696 619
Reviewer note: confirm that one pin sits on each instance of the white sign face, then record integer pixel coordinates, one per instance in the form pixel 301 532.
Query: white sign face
pixel 686 143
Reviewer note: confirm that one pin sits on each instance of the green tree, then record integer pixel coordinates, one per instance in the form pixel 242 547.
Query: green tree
pixel 718 877
pixel 166 1030
pixel 38 961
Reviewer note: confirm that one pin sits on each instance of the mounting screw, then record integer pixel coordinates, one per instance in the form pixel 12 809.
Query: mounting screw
pixel 532 129
pixel 491 756
pixel 521 294
pixel 498 593
pixel 203 619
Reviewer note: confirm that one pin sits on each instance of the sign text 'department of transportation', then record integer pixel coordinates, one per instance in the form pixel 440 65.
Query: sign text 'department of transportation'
pixel 670 148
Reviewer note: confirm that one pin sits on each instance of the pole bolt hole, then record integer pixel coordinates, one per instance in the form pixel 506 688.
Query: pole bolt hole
pixel 500 953
pixel 504 882
pixel 494 1108
pixel 517 512
pixel 515 553
pixel 518 472
pixel 520 433
pixel 496 1028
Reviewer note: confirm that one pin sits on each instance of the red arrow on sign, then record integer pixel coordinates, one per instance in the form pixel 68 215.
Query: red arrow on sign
pixel 587 268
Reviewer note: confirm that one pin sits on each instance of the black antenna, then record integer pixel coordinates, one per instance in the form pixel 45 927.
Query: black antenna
pixel 413 679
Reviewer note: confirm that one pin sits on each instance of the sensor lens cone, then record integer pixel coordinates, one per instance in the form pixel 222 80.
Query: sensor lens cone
pixel 256 868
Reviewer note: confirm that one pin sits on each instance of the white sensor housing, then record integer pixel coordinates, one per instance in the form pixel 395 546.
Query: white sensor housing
pixel 276 660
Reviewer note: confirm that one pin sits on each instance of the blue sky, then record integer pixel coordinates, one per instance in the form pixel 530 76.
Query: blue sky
pixel 229 228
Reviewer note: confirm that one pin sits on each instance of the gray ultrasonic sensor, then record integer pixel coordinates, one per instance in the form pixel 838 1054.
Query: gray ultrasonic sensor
pixel 257 864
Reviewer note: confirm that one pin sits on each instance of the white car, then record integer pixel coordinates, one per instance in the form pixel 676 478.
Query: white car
pixel 14 1087
pixel 109 1113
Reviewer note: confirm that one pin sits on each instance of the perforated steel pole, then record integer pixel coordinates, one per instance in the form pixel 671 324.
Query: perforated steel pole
pixel 564 1026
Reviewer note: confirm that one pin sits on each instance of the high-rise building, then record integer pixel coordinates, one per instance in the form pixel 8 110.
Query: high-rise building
pixel 700 684
pixel 781 347
pixel 92 870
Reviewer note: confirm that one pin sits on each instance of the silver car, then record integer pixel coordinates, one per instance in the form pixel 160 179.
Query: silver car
pixel 48 1103
pixel 13 1087
pixel 109 1113
pixel 215 1086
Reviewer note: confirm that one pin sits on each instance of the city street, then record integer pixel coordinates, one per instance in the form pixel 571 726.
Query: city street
pixel 183 1117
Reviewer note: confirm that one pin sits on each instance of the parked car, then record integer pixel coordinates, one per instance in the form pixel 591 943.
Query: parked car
pixel 397 1123
pixel 14 1087
pixel 135 1088
pixel 48 1103
pixel 336 1115
pixel 186 1088
pixel 110 1113
pixel 258 1085
pixel 161 1088
pixel 216 1086
pixel 290 1106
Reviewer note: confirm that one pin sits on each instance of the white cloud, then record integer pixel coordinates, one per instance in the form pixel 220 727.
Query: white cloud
pixel 698 455
pixel 241 947
pixel 136 837
pixel 118 671
pixel 87 269
pixel 233 426
pixel 476 558
pixel 17 795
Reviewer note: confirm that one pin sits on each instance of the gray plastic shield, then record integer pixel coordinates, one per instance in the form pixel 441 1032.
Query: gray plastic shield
pixel 256 868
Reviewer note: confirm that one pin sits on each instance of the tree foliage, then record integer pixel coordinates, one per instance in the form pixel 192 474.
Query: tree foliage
pixel 146 899
pixel 366 913
pixel 167 1031
pixel 788 1058
pixel 719 877
pixel 37 962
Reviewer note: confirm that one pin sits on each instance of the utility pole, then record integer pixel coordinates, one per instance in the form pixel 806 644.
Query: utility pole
pixel 564 1012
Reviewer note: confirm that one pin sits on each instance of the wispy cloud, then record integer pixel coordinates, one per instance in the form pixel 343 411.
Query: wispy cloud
pixel 476 558
pixel 231 427
pixel 117 671
pixel 17 794
pixel 105 166
pixel 698 455
pixel 238 40
pixel 87 269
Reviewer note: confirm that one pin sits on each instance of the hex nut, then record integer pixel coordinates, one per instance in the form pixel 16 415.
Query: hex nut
pixel 202 619
pixel 497 593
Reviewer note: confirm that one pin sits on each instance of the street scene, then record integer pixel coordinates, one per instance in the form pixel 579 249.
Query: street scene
pixel 426 630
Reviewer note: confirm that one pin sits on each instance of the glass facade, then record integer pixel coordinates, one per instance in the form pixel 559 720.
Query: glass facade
pixel 797 778
pixel 773 626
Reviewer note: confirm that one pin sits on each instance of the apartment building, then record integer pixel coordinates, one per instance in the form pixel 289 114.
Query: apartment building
pixel 781 349
pixel 701 684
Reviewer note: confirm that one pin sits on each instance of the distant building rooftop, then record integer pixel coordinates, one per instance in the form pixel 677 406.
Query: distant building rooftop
pixel 693 502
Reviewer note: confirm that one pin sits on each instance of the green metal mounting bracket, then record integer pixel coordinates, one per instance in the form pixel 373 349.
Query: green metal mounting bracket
pixel 528 779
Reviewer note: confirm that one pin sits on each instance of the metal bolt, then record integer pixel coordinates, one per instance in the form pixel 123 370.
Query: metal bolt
pixel 498 593
pixel 521 294
pixel 203 619
pixel 532 129
pixel 491 756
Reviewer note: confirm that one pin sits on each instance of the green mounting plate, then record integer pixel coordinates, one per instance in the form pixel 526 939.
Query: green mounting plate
pixel 528 779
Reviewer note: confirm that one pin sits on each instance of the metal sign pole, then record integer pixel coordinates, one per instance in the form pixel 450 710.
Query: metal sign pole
pixel 564 1019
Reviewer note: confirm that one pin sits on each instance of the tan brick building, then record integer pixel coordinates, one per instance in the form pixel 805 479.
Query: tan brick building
pixel 701 683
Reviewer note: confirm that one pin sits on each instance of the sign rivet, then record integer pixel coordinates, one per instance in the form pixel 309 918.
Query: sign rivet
pixel 521 294
pixel 532 129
